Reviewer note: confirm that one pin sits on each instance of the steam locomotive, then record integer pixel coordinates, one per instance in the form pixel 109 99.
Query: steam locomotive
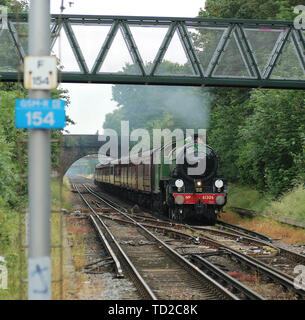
pixel 168 187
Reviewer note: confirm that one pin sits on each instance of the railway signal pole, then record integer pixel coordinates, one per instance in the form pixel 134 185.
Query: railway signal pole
pixel 39 167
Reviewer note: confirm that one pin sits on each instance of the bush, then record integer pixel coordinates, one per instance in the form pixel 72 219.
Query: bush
pixel 8 175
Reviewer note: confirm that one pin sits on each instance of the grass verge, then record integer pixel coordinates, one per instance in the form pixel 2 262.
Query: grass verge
pixel 247 197
pixel 9 250
pixel 272 228
pixel 11 223
pixel 60 199
pixel 290 205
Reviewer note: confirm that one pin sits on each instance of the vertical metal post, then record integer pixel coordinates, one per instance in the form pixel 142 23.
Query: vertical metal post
pixel 39 167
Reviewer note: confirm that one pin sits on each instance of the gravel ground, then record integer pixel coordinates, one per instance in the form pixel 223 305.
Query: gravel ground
pixel 102 283
pixel 293 247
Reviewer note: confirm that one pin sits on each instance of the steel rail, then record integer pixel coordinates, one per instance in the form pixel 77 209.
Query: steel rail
pixel 93 219
pixel 233 235
pixel 169 224
pixel 279 276
pixel 120 273
pixel 239 231
pixel 242 237
pixel 140 282
pixel 254 262
pixel 244 230
pixel 217 273
pixel 292 255
pixel 275 275
pixel 201 276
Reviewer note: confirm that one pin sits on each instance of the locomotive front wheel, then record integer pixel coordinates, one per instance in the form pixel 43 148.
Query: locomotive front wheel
pixel 175 215
pixel 171 213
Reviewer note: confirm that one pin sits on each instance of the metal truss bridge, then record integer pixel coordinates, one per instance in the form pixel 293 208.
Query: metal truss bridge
pixel 164 51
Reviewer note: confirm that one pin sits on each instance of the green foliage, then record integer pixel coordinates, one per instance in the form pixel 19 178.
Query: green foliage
pixel 13 157
pixel 259 134
pixel 13 146
pixel 250 9
pixel 9 250
pixel 8 175
pixel 247 197
pixel 224 126
pixel 55 134
pixel 272 140
pixel 8 56
pixel 291 205
pixel 15 6
pixel 12 150
pixel 261 140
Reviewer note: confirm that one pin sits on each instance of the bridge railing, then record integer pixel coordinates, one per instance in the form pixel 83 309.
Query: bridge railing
pixel 164 51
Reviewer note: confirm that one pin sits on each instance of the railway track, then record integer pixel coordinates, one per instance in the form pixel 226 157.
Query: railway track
pixel 261 246
pixel 157 270
pixel 117 253
pixel 284 261
pixel 242 231
pixel 200 258
pixel 257 245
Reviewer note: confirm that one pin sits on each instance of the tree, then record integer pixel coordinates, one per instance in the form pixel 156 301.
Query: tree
pixel 272 140
pixel 8 55
pixel 258 134
pixel 13 151
pixel 250 9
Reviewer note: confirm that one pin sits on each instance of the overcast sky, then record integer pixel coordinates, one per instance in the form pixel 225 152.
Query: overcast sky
pixel 91 102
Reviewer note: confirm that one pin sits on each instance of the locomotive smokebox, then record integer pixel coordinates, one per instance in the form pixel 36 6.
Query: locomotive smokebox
pixel 211 163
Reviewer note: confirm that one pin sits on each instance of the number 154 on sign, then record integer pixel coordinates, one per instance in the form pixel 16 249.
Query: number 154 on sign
pixel 40 113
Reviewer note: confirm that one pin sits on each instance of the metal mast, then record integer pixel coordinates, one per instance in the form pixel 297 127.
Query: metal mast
pixel 39 167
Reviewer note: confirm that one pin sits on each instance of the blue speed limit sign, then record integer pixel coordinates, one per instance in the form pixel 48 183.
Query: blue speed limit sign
pixel 40 113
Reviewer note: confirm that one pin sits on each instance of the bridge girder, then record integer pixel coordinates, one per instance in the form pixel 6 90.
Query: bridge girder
pixel 219 52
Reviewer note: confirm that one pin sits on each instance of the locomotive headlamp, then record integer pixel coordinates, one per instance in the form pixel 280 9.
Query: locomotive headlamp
pixel 218 183
pixel 198 183
pixel 179 183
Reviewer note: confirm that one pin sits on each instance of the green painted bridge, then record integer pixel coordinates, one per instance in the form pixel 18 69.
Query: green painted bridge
pixel 215 52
